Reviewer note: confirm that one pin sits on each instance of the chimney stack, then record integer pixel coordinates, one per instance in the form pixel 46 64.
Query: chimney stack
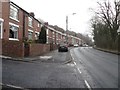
pixel 32 14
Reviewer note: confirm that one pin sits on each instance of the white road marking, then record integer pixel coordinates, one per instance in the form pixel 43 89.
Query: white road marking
pixel 75 63
pixel 88 86
pixel 12 86
pixel 72 56
pixel 79 70
pixel 72 65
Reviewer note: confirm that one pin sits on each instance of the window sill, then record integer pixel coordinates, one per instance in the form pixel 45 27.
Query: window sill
pixel 14 19
pixel 13 39
pixel 30 26
pixel 1 20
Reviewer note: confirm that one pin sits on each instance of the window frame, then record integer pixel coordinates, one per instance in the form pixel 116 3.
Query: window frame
pixel 47 31
pixel 16 26
pixel 38 24
pixel 1 29
pixel 30 21
pixel 36 33
pixel 29 30
pixel 15 10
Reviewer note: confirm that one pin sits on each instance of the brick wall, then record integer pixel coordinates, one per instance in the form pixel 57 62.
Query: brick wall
pixel 16 49
pixel 12 48
pixel 38 49
pixel 55 46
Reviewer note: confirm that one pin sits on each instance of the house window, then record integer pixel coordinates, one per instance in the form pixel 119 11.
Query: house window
pixel 1 28
pixel 36 35
pixel 47 40
pixel 30 34
pixel 30 21
pixel 47 31
pixel 56 35
pixel 13 12
pixel 53 34
pixel 13 33
pixel 38 25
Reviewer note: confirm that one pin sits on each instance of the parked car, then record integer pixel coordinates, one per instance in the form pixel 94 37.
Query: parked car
pixel 76 45
pixel 63 48
pixel 85 45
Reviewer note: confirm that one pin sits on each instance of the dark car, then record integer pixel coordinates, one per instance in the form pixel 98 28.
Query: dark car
pixel 63 48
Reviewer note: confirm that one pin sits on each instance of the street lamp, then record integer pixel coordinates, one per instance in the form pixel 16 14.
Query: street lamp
pixel 67 26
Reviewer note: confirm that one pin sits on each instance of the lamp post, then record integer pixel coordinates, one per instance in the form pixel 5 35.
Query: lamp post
pixel 67 26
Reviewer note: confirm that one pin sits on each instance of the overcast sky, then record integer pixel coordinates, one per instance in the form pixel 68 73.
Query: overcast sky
pixel 54 12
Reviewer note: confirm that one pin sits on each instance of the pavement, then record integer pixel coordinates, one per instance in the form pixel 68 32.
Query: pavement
pixel 109 51
pixel 45 57
pixel 25 59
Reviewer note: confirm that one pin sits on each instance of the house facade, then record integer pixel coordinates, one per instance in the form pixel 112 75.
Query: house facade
pixel 17 25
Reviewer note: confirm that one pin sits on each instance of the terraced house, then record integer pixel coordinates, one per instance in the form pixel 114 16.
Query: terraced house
pixel 18 23
pixel 17 26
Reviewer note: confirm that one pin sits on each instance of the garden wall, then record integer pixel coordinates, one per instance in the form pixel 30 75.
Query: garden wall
pixel 38 49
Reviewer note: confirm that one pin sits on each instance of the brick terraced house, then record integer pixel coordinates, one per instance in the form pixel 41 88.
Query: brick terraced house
pixel 17 25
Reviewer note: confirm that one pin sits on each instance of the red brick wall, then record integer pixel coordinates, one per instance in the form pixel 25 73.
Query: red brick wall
pixel 5 16
pixel 38 49
pixel 36 28
pixel 50 33
pixel 55 46
pixel 13 48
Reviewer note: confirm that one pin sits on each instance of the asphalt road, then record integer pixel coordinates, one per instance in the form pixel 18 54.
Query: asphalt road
pixel 90 68
pixel 42 73
pixel 98 68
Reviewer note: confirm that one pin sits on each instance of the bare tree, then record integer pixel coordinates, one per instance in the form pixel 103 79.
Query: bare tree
pixel 108 14
pixel 105 23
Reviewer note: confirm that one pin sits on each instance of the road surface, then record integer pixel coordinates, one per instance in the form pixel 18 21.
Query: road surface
pixel 54 73
pixel 99 69
pixel 90 68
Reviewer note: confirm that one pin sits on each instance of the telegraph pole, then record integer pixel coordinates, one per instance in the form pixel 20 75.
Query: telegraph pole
pixel 66 28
